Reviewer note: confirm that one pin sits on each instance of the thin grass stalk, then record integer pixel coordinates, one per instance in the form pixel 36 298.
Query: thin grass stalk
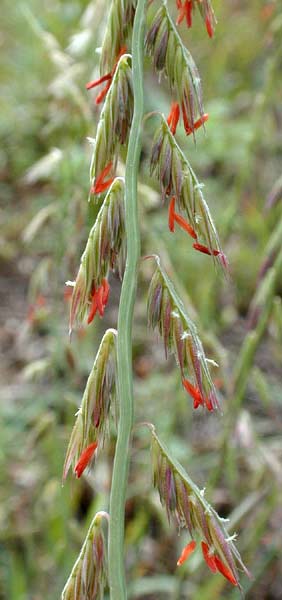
pixel 252 340
pixel 117 580
pixel 242 370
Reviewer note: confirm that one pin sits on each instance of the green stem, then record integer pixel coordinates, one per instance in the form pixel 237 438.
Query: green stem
pixel 242 370
pixel 125 317
pixel 245 359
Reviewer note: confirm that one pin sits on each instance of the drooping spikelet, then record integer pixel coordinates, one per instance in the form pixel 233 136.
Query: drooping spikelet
pixel 166 312
pixel 89 573
pixel 92 418
pixel 120 20
pixel 105 250
pixel 186 503
pixel 114 123
pixel 178 179
pixel 171 57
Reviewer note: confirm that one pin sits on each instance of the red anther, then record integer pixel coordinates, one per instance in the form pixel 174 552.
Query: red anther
pixel 93 308
pixel 101 185
pixel 93 84
pixel 209 26
pixel 225 571
pixel 197 124
pixel 99 300
pixel 173 117
pixel 105 171
pixel 209 557
pixel 189 6
pixel 108 77
pixel 185 12
pixel 186 552
pixel 212 252
pixel 186 226
pixel 103 93
pixel 206 250
pixel 175 217
pixel 194 392
pixel 171 214
pixel 106 291
pixel 100 304
pixel 187 125
pixel 85 459
pixel 208 403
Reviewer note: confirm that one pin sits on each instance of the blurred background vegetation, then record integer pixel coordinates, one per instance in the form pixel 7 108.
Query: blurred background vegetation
pixel 47 55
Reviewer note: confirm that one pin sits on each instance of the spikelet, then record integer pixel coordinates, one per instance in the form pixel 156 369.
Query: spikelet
pixel 174 60
pixel 186 503
pixel 115 121
pixel 177 178
pixel 118 27
pixel 89 573
pixel 92 418
pixel 105 250
pixel 166 313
